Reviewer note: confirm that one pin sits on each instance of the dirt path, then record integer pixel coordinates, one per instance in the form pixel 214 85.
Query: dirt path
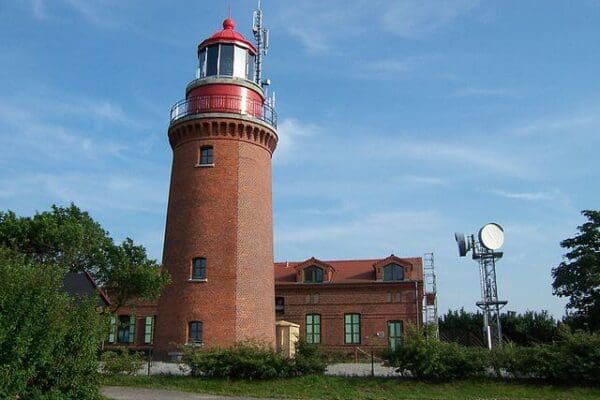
pixel 129 393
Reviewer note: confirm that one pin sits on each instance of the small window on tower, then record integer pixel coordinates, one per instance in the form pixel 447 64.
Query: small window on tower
pixel 195 332
pixel 199 268
pixel 206 155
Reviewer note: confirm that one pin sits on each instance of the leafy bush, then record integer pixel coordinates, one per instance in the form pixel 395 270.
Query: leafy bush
pixel 308 359
pixel 125 362
pixel 422 356
pixel 251 360
pixel 247 360
pixel 48 343
pixel 574 358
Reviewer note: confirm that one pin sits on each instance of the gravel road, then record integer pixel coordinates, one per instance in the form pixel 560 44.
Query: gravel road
pixel 129 393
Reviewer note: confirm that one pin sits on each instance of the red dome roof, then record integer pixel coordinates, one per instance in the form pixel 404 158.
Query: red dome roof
pixel 227 35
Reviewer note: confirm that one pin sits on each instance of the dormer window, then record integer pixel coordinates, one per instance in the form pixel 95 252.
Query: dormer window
pixel 393 273
pixel 313 274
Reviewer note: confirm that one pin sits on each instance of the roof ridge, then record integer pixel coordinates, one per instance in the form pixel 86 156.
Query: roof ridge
pixel 344 260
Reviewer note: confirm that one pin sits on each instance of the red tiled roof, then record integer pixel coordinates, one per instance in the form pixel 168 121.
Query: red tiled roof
pixel 347 271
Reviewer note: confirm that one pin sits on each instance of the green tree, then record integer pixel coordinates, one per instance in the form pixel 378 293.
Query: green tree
pixel 524 329
pixel 48 342
pixel 529 328
pixel 132 275
pixel 69 238
pixel 578 276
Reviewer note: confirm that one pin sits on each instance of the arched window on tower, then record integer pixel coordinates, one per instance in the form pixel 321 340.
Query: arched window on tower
pixel 393 272
pixel 313 274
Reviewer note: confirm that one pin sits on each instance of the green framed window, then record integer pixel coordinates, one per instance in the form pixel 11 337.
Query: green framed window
pixel 395 331
pixel 148 329
pixel 126 329
pixel 393 272
pixel 352 328
pixel 313 328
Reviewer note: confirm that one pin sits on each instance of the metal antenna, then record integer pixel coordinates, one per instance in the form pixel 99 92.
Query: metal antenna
pixel 262 43
pixel 484 252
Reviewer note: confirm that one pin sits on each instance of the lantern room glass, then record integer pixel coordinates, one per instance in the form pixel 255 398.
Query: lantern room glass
pixel 212 60
pixel 226 60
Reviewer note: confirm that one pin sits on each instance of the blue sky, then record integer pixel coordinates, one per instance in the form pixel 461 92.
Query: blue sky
pixel 400 122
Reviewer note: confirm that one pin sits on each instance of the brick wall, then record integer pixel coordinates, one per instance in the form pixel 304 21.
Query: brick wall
pixel 222 213
pixel 377 303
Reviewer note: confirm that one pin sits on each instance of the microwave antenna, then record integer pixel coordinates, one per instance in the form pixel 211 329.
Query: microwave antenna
pixel 483 248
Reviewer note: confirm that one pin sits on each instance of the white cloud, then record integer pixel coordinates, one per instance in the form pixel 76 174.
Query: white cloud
pixel 383 231
pixel 290 132
pixel 578 123
pixel 420 180
pixel 98 13
pixel 455 154
pixel 317 25
pixel 38 7
pixel 530 196
pixel 483 92
pixel 416 18
pixel 389 68
pixel 91 191
pixel 36 135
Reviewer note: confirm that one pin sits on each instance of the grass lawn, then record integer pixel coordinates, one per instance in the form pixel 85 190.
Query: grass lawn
pixel 328 387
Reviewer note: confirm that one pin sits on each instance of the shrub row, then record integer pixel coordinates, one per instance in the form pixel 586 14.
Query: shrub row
pixel 249 360
pixel 573 358
pixel 423 357
pixel 124 362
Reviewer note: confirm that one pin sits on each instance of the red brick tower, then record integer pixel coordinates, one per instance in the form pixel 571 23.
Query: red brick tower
pixel 219 233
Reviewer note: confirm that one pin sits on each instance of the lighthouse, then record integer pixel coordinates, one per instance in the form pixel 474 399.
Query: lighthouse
pixel 218 245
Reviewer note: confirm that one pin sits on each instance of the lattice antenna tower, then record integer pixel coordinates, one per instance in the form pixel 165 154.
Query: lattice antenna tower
pixel 490 238
pixel 261 35
pixel 430 309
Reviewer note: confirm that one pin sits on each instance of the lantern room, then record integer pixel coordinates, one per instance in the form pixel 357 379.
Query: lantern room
pixel 226 80
pixel 226 54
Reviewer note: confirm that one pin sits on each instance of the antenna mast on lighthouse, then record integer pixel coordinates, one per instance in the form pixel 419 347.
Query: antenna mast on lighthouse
pixel 262 44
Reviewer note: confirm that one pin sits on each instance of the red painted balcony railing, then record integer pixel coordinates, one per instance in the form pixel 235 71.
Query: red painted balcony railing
pixel 223 104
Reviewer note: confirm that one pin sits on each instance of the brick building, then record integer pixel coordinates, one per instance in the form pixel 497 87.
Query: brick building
pixel 218 245
pixel 341 304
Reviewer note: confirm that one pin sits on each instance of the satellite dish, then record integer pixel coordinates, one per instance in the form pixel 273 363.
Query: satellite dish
pixel 491 236
pixel 463 245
